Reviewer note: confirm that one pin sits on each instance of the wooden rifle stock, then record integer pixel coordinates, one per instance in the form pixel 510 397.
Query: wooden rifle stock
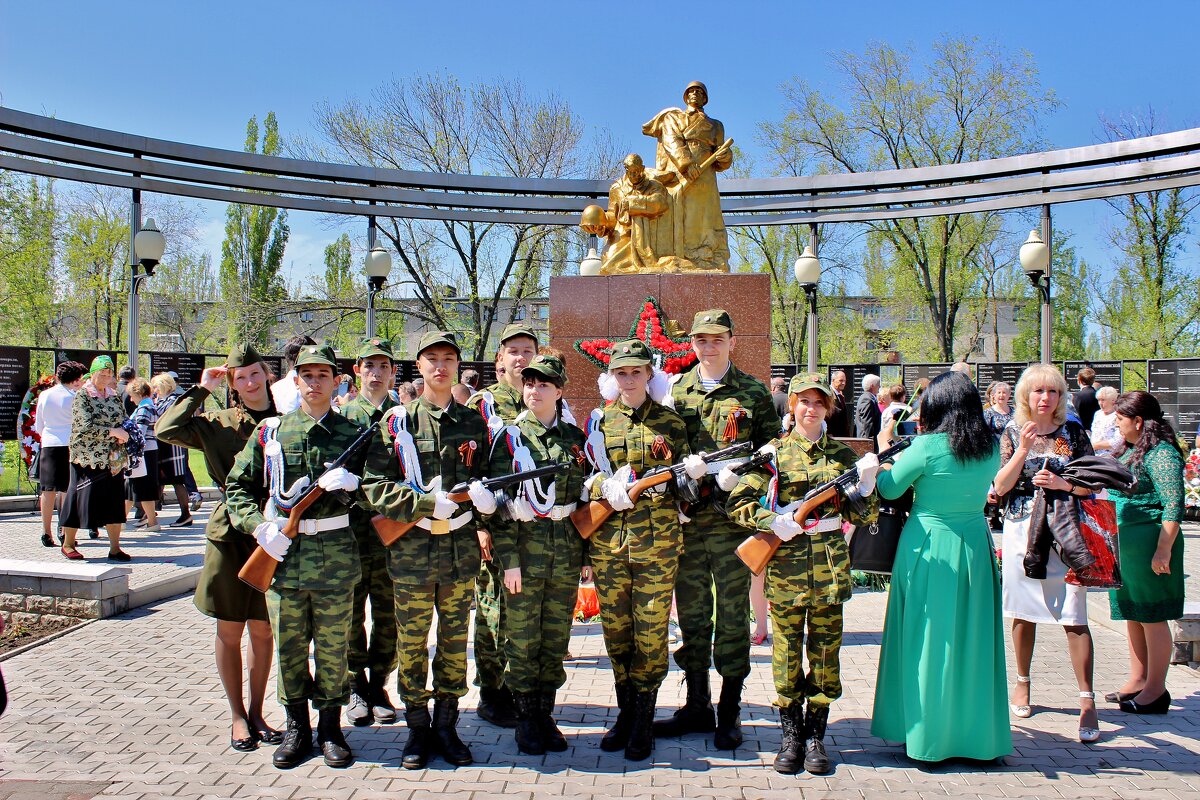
pixel 390 530
pixel 590 516
pixel 758 549
pixel 259 569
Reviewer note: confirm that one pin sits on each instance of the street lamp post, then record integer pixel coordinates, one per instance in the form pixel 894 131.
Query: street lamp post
pixel 146 249
pixel 1035 260
pixel 808 275
pixel 591 263
pixel 379 264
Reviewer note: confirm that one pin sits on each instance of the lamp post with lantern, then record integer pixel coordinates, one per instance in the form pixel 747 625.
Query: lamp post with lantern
pixel 808 275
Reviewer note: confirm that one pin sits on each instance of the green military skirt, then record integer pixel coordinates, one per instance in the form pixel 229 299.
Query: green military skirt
pixel 220 593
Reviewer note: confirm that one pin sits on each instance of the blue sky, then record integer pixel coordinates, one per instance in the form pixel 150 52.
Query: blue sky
pixel 195 72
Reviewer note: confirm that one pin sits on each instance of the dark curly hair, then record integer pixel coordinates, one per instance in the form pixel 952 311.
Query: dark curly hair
pixel 951 405
pixel 1155 427
pixel 69 372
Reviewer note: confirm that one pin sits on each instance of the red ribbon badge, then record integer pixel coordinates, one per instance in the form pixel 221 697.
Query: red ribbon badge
pixel 579 454
pixel 660 449
pixel 466 451
pixel 731 425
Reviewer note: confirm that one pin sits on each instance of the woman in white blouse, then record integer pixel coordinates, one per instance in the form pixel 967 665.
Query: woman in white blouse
pixel 1104 434
pixel 52 423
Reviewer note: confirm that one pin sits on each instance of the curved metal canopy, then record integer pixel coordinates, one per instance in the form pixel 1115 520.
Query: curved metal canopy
pixel 40 145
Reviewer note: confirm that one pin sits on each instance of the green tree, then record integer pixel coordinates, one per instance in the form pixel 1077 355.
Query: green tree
pixel 28 248
pixel 252 253
pixel 95 256
pixel 339 266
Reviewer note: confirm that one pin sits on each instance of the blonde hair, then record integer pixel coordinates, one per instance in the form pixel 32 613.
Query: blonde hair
pixel 1106 393
pixel 1040 375
pixel 162 383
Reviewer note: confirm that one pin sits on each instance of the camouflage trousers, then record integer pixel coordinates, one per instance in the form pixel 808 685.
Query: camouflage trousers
pixel 377 652
pixel 414 618
pixel 823 682
pixel 635 607
pixel 538 631
pixel 712 593
pixel 300 618
pixel 489 627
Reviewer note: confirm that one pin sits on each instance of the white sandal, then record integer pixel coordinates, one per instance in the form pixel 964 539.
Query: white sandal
pixel 1088 734
pixel 1025 711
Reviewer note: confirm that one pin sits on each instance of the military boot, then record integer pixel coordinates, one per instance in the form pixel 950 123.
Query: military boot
pixel 789 759
pixel 420 737
pixel 529 734
pixel 729 724
pixel 330 739
pixel 618 735
pixel 641 735
pixel 297 739
pixel 445 718
pixel 496 707
pixel 381 705
pixel 358 711
pixel 552 737
pixel 816 760
pixel 696 715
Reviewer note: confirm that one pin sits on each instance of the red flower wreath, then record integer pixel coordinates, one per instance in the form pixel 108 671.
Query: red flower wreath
pixel 672 355
pixel 29 440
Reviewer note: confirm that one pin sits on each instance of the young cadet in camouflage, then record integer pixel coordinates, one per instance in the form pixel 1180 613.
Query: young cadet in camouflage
pixel 434 565
pixel 721 406
pixel 538 552
pixel 635 553
pixel 808 580
pixel 518 346
pixel 310 599
pixel 376 370
pixel 220 436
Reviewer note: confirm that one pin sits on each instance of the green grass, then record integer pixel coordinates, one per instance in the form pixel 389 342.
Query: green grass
pixel 14 482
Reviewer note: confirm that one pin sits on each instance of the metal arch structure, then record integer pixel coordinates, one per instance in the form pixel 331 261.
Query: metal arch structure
pixel 39 145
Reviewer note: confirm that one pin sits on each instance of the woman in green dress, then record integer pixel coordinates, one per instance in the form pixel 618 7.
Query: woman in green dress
pixel 1151 550
pixel 941 685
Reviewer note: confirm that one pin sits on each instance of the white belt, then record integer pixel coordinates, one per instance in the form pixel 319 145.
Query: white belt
pixel 825 525
pixel 561 512
pixel 439 527
pixel 311 527
pixel 716 466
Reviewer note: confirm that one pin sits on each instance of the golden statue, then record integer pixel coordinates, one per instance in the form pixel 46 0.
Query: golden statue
pixel 686 233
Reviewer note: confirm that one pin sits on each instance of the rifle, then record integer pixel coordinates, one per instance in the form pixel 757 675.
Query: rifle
pixel 590 516
pixel 391 530
pixel 259 569
pixel 706 163
pixel 758 549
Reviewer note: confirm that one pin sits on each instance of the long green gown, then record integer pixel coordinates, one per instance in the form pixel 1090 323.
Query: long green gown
pixel 941 687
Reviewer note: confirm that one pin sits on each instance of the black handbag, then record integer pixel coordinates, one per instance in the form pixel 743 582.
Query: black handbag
pixel 873 547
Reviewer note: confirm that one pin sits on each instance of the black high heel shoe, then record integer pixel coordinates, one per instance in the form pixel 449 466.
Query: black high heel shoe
pixel 1119 697
pixel 1158 706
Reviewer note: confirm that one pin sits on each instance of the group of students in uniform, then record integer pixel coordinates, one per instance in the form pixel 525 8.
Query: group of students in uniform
pixel 514 554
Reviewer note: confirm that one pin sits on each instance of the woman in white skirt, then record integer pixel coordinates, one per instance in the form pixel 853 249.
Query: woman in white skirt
pixel 1034 448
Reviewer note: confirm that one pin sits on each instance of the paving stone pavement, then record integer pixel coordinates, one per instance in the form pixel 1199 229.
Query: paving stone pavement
pixel 131 707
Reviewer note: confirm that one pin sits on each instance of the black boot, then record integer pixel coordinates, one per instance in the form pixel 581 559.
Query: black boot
pixel 297 739
pixel 641 737
pixel 445 717
pixel 790 757
pixel 529 734
pixel 330 739
pixel 816 760
pixel 729 723
pixel 696 715
pixel 496 707
pixel 381 705
pixel 618 735
pixel 552 737
pixel 420 737
pixel 358 710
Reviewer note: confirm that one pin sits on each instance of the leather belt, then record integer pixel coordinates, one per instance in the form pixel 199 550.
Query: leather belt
pixel 825 525
pixel 716 466
pixel 311 527
pixel 561 512
pixel 440 527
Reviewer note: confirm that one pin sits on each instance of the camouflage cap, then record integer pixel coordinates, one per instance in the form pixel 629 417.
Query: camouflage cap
pixel 317 354
pixel 809 380
pixel 629 353
pixel 550 367
pixel 243 355
pixel 438 337
pixel 716 320
pixel 513 330
pixel 375 347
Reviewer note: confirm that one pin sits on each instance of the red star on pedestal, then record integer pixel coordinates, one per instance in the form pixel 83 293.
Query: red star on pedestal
pixel 671 354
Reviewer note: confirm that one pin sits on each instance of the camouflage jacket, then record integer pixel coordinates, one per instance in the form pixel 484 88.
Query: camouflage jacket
pixel 815 568
pixel 362 413
pixel 544 546
pixel 646 437
pixel 509 402
pixel 450 442
pixel 324 561
pixel 220 435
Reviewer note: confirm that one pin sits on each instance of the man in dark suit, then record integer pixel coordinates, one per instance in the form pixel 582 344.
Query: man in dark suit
pixel 866 410
pixel 1086 404
pixel 839 421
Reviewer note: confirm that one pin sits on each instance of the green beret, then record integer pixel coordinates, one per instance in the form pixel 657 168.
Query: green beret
pixel 375 347
pixel 438 337
pixel 550 367
pixel 243 355
pixel 317 354
pixel 513 330
pixel 810 380
pixel 629 353
pixel 716 320
pixel 99 363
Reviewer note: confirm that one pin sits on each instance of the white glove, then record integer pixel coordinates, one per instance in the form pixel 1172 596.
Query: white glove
pixel 272 540
pixel 519 510
pixel 695 467
pixel 615 489
pixel 867 467
pixel 338 480
pixel 785 527
pixel 727 479
pixel 443 506
pixel 482 497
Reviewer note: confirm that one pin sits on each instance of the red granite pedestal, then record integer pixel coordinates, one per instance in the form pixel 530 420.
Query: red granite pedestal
pixel 605 307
